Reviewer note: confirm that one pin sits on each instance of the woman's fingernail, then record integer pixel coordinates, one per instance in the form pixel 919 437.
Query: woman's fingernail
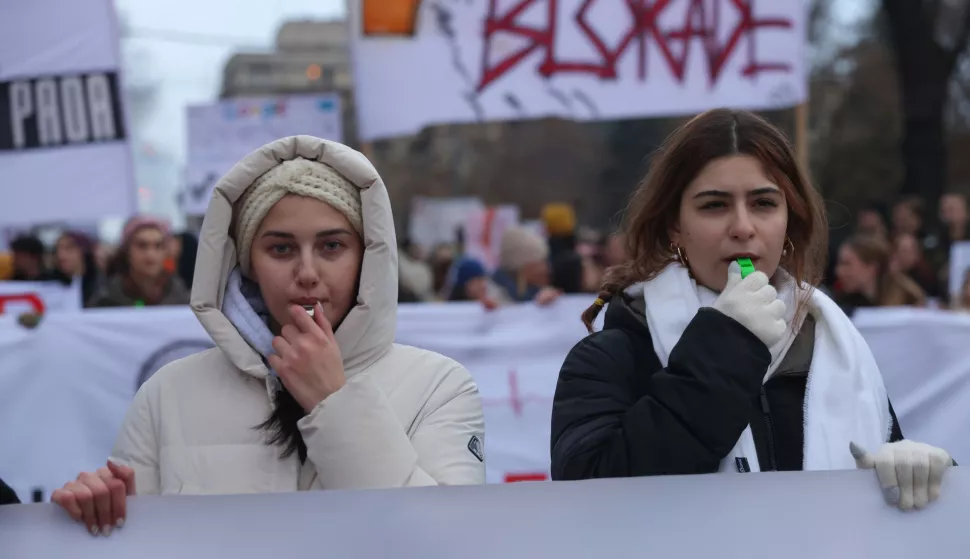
pixel 93 530
pixel 120 524
pixel 106 530
pixel 891 494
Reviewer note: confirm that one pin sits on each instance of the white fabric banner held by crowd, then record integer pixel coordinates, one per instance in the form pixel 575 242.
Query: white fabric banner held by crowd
pixel 74 399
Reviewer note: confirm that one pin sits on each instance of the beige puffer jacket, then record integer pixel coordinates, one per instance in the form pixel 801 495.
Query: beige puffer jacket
pixel 406 416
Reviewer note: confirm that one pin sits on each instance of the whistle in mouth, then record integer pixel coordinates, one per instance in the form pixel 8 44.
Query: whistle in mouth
pixel 746 267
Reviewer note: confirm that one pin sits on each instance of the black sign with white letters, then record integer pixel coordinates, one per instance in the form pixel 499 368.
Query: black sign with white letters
pixel 56 111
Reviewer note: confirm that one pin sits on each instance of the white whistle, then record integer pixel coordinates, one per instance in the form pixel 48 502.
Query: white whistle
pixel 308 309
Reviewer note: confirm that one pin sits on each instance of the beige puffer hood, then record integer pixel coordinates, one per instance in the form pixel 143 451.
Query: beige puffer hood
pixel 368 331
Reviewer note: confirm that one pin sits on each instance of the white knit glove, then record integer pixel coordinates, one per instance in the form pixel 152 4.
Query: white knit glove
pixel 754 303
pixel 910 473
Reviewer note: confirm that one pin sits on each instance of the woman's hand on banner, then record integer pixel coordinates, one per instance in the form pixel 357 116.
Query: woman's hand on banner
pixel 307 358
pixel 547 296
pixel 98 499
pixel 909 473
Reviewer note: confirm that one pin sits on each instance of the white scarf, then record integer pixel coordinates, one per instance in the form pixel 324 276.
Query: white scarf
pixel 845 398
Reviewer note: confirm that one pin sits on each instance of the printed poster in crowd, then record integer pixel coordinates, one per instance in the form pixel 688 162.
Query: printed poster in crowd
pixel 220 134
pixel 484 60
pixel 64 149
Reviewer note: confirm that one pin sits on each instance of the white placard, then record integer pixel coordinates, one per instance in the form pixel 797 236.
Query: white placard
pixel 434 221
pixel 75 407
pixel 791 515
pixel 221 134
pixel 64 152
pixel 453 61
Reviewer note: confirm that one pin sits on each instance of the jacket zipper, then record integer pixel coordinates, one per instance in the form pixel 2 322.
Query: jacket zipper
pixel 766 413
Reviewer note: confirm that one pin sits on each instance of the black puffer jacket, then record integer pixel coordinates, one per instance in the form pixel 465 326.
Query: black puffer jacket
pixel 617 412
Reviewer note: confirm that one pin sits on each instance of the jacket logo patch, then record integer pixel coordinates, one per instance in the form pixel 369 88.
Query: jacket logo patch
pixel 475 447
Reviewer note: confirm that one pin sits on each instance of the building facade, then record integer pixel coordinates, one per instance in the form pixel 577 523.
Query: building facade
pixel 310 57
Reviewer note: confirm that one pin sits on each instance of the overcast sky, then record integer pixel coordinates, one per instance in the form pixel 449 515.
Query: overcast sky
pixel 189 73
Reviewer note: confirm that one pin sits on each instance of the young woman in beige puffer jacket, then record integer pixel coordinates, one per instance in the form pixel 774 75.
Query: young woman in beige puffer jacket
pixel 296 282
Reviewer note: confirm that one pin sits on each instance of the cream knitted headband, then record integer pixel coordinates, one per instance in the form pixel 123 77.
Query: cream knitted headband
pixel 297 176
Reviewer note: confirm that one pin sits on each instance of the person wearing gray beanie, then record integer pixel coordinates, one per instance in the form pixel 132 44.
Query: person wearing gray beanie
pixel 296 282
pixel 524 273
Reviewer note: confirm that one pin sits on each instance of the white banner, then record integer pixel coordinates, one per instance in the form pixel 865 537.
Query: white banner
pixel 68 383
pixel 64 152
pixel 221 134
pixel 789 515
pixel 39 296
pixel 480 60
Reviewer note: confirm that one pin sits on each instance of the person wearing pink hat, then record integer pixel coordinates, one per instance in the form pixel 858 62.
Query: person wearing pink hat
pixel 138 274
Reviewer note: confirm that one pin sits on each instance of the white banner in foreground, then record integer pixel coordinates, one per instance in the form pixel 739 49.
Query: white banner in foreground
pixel 67 384
pixel 481 60
pixel 789 515
pixel 63 142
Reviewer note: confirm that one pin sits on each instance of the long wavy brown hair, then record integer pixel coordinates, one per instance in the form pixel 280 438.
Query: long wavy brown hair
pixel 654 208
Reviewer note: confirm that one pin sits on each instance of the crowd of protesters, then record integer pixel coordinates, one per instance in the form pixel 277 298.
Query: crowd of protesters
pixel 887 257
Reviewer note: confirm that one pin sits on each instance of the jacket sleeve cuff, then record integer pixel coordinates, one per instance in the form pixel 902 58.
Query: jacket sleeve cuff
pixel 355 440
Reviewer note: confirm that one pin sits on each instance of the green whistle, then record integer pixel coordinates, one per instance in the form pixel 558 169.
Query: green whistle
pixel 746 267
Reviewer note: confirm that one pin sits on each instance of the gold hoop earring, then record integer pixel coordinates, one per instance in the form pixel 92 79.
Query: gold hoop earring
pixel 680 256
pixel 788 251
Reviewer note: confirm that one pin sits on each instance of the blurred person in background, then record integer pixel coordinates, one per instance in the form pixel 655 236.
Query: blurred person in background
pixel 908 259
pixel 185 247
pixel 416 277
pixel 6 266
pixel 908 217
pixel 74 259
pixel 28 259
pixel 955 219
pixel 871 219
pixel 139 277
pixel 441 260
pixel 616 252
pixel 961 302
pixel 700 370
pixel 470 282
pixel 297 284
pixel 103 256
pixel 524 273
pixel 559 220
pixel 866 279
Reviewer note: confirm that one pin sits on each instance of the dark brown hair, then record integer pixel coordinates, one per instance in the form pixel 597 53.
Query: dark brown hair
pixel 655 206
pixel 893 289
pixel 914 204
